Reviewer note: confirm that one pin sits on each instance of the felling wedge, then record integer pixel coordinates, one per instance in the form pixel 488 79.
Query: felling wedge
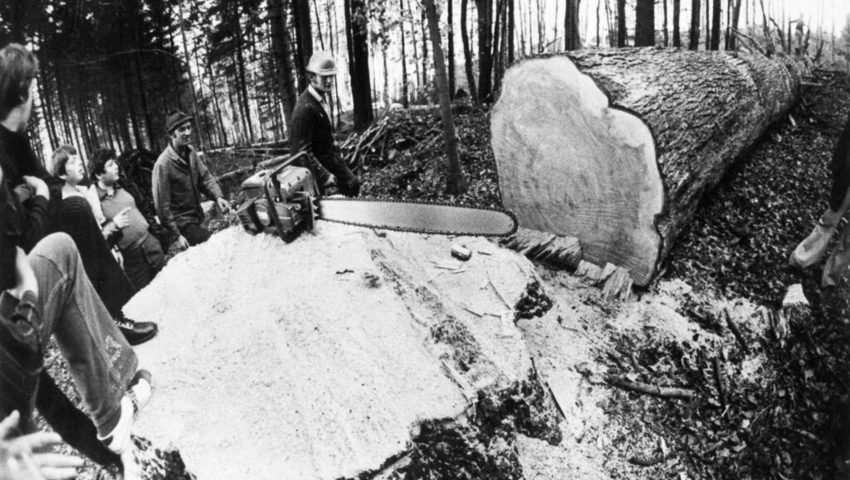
pixel 285 200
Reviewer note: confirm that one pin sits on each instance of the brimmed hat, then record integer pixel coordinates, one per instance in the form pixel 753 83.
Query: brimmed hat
pixel 322 63
pixel 174 119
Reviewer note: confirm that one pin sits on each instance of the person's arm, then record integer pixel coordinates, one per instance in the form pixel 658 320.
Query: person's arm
pixel 36 218
pixel 162 199
pixel 301 138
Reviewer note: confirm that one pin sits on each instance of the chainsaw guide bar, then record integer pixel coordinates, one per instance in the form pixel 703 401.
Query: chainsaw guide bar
pixel 417 216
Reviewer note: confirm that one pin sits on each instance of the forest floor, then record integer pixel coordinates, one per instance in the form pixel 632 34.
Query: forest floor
pixel 764 408
pixel 794 422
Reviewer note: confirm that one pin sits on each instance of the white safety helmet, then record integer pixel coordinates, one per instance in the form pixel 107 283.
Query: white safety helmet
pixel 322 63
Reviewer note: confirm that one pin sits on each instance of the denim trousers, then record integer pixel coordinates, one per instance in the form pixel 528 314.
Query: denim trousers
pixel 100 360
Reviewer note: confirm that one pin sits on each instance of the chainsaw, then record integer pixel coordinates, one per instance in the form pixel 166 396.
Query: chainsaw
pixel 285 201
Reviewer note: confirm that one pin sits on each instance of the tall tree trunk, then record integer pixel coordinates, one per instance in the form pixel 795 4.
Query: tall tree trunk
pixel 319 24
pixel 280 49
pixel 621 23
pixel 677 36
pixel 424 30
pixel 241 80
pixel 49 119
pixel 467 52
pixel 203 135
pixel 357 24
pixel 693 43
pixel 450 38
pixel 736 15
pixel 572 39
pixel 456 183
pixel 494 52
pixel 715 25
pixel 304 38
pixel 213 81
pixel 645 23
pixel 404 85
pixel 511 31
pixel 664 26
pixel 707 24
pixel 485 60
pixel 419 74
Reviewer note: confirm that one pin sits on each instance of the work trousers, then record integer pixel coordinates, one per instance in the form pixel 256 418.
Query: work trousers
pixel 143 260
pixel 100 360
pixel 195 233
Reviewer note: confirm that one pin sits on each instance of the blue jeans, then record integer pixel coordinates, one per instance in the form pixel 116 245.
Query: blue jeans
pixel 100 360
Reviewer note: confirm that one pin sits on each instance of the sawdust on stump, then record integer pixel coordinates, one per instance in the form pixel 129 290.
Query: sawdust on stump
pixel 320 358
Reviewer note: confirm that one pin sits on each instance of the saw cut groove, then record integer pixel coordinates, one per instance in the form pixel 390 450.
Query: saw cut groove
pixel 616 148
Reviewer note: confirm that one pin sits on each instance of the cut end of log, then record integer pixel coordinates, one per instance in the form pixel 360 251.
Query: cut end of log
pixel 572 165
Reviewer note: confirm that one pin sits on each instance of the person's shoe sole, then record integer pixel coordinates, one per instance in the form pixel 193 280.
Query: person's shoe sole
pixel 134 338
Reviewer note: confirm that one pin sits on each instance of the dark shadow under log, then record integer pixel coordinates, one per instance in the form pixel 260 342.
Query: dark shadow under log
pixel 617 147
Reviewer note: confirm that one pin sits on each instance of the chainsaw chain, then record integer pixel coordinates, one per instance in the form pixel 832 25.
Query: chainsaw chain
pixel 414 202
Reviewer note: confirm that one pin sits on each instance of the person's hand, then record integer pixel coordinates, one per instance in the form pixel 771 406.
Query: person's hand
pixel 223 205
pixel 122 219
pixel 37 185
pixel 24 275
pixel 180 244
pixel 25 464
pixel 23 192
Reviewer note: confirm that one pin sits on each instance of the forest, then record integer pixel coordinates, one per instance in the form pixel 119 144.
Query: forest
pixel 111 70
pixel 557 352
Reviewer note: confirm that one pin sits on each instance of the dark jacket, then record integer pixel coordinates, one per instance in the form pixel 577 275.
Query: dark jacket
pixel 30 220
pixel 312 130
pixel 840 168
pixel 177 186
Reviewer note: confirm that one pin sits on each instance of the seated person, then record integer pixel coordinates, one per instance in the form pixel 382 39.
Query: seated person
pixel 68 167
pixel 179 177
pixel 143 255
pixel 47 293
pixel 25 177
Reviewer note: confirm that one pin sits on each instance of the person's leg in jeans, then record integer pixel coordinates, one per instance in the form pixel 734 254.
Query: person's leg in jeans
pixel 75 428
pixel 108 278
pixel 837 263
pixel 100 360
pixel 195 233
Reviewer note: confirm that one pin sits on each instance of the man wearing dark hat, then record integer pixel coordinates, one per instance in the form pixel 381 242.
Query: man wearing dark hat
pixel 312 129
pixel 179 177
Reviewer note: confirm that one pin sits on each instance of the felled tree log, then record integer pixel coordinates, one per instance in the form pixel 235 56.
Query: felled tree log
pixel 617 147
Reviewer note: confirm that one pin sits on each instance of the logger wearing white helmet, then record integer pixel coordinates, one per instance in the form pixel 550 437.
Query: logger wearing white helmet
pixel 322 69
pixel 312 129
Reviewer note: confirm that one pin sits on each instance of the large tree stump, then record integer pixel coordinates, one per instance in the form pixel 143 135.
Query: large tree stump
pixel 328 357
pixel 617 147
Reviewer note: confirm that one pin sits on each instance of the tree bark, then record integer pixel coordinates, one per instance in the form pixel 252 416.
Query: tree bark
pixel 715 25
pixel 467 52
pixel 485 59
pixel 455 182
pixel 405 94
pixel 621 23
pixel 645 23
pixel 357 25
pixel 572 39
pixel 280 49
pixel 677 36
pixel 736 15
pixel 450 38
pixel 695 20
pixel 584 149
pixel 304 38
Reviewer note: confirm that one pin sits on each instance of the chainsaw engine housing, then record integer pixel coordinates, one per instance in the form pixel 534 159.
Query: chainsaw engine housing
pixel 280 201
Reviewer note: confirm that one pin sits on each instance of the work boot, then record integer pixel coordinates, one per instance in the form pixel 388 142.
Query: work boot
pixel 136 332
